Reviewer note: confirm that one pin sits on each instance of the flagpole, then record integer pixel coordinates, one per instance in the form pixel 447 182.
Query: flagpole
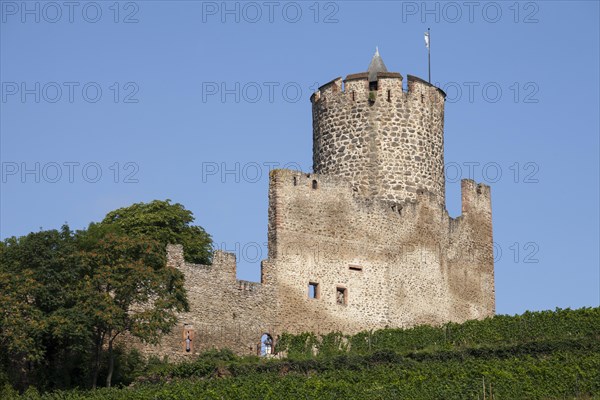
pixel 429 52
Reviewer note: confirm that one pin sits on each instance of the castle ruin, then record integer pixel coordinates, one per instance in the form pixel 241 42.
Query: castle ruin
pixel 364 242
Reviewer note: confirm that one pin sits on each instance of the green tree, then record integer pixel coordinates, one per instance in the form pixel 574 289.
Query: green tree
pixel 65 297
pixel 167 224
pixel 37 324
pixel 127 288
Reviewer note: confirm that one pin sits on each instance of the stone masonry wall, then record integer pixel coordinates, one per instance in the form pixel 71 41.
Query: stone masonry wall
pixel 387 146
pixel 400 264
pixel 224 312
pixel 416 264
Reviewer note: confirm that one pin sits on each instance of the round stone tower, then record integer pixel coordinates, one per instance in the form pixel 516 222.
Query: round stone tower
pixel 386 142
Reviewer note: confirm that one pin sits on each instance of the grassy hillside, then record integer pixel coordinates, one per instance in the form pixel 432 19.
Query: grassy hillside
pixel 541 355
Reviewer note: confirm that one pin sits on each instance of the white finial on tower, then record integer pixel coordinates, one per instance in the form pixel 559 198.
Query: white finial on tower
pixel 376 50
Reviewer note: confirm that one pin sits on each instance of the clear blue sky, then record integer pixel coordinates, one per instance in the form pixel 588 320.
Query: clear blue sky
pixel 169 132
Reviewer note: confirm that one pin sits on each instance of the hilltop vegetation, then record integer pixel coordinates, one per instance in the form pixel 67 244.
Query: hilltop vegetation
pixel 537 355
pixel 66 296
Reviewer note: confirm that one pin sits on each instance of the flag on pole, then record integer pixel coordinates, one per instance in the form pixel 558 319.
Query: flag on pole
pixel 428 44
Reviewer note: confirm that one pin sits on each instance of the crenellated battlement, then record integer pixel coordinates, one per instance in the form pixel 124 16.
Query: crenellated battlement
pixel 476 197
pixel 356 88
pixel 223 269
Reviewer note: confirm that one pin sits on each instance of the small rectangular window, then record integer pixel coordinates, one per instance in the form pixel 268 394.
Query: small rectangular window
pixel 353 267
pixel 188 338
pixel 313 290
pixel 341 296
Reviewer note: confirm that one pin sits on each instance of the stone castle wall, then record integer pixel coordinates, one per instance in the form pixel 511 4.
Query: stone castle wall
pixel 387 143
pixel 400 265
pixel 368 232
pixel 225 312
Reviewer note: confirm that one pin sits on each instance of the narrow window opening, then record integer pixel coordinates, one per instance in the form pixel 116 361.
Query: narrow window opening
pixel 314 184
pixel 266 345
pixel 389 99
pixel 341 296
pixel 295 181
pixel 188 338
pixel 313 290
pixel 355 267
pixel 353 95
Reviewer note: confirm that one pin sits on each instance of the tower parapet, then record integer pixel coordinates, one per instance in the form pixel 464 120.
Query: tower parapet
pixel 387 142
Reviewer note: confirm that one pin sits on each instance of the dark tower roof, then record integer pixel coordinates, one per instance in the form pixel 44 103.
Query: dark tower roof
pixel 376 66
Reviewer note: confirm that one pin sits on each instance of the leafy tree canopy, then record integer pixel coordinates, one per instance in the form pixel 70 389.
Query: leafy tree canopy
pixel 126 287
pixel 167 224
pixel 38 318
pixel 65 297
